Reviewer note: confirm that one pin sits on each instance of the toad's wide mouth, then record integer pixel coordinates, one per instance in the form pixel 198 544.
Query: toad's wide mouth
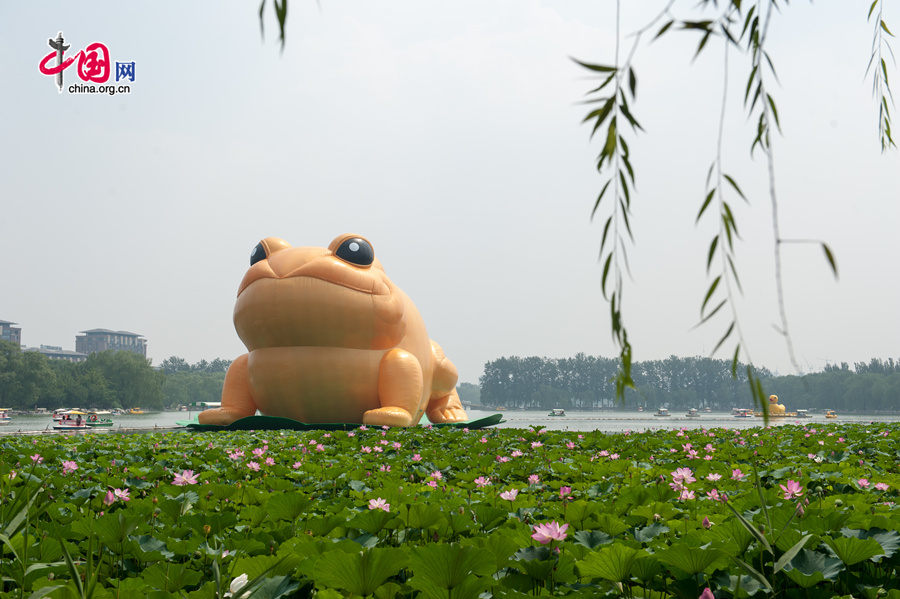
pixel 311 311
pixel 327 269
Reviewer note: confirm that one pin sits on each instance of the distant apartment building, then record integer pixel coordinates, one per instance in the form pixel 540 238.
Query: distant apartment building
pixel 98 340
pixel 10 333
pixel 58 353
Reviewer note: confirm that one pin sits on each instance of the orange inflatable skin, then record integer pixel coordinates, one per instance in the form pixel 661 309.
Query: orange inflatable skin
pixel 332 339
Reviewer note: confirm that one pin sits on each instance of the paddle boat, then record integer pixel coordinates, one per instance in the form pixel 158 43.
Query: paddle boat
pixel 4 416
pixel 557 412
pixel 135 411
pixel 693 413
pixel 830 414
pixel 72 420
pixel 662 412
pixel 742 412
pixel 99 419
pixel 802 414
pixel 59 413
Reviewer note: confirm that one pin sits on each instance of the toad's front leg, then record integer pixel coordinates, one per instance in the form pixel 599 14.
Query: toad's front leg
pixel 237 402
pixel 400 389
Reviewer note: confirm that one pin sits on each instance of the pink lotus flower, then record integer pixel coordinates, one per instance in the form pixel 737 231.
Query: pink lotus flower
pixel 534 479
pixel 36 458
pixel 792 489
pixel 706 523
pixel 379 504
pixel 509 495
pixel 686 494
pixel 384 468
pixel 236 455
pixel 483 481
pixel 377 449
pixel 437 475
pixel 121 494
pixel 69 466
pixel 320 447
pixel 536 444
pixel 570 445
pixel 736 474
pixel 515 453
pixel 432 484
pixel 881 486
pixel 603 453
pixel 297 465
pixel 502 459
pixel 863 483
pixel 683 476
pixel 416 457
pixel 564 492
pixel 110 498
pixel 716 496
pixel 544 533
pixel 259 451
pixel 253 466
pixel 270 461
pixel 396 445
pixel 713 477
pixel 351 434
pixel 187 477
pixel 614 456
pixel 707 594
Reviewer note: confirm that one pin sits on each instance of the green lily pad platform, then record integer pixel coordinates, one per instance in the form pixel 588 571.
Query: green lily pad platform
pixel 271 423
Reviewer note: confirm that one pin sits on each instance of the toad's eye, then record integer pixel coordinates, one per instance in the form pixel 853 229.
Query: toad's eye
pixel 356 250
pixel 258 253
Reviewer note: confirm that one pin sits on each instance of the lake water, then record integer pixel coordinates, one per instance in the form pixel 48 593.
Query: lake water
pixel 606 421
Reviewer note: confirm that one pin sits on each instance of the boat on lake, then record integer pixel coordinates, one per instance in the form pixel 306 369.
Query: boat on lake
pixel 135 411
pixel 58 413
pixel 802 414
pixel 742 412
pixel 662 412
pixel 102 418
pixel 830 414
pixel 71 420
pixel 557 412
pixel 693 413
pixel 4 416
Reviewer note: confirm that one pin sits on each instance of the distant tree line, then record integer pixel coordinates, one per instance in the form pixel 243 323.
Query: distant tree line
pixel 586 382
pixel 105 380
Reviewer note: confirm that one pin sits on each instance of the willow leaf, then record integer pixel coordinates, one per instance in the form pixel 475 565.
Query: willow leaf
pixel 830 257
pixel 706 202
pixel 724 337
pixel 709 293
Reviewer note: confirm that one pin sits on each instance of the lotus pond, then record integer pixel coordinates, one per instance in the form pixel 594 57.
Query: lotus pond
pixel 792 511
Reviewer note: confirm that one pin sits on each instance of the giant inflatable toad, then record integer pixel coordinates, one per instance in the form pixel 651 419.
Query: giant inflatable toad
pixel 332 339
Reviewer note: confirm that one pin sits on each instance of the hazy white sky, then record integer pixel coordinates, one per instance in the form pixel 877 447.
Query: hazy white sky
pixel 448 134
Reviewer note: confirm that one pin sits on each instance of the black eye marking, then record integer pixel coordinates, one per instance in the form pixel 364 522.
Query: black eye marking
pixel 258 253
pixel 356 250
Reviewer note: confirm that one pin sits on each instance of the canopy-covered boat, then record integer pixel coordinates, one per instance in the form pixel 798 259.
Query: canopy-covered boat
pixel 693 413
pixel 662 412
pixel 4 416
pixel 71 420
pixel 557 412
